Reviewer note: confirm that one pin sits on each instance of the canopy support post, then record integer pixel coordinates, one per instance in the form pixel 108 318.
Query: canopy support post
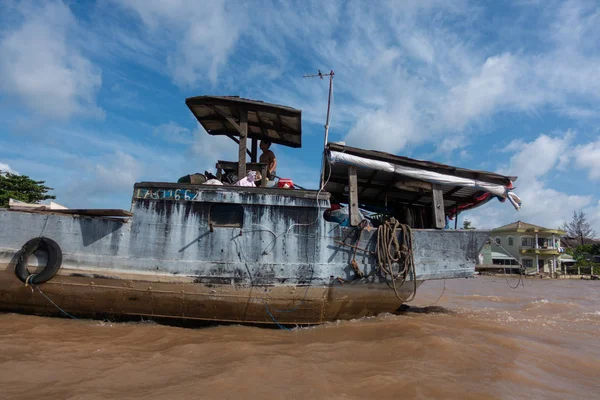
pixel 243 136
pixel 254 151
pixel 438 207
pixel 353 203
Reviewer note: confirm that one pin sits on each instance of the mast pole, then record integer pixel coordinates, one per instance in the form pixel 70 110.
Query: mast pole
pixel 328 108
pixel 321 75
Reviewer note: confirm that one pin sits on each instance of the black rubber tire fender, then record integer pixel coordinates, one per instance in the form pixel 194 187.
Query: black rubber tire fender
pixel 52 266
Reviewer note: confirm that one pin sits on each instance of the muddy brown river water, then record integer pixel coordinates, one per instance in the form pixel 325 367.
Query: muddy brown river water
pixel 481 340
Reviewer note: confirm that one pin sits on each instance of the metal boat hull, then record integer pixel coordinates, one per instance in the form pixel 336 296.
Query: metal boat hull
pixel 283 262
pixel 122 295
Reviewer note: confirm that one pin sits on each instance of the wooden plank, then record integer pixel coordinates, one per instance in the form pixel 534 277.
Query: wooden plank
pixel 353 206
pixel 233 166
pixel 229 118
pixel 263 175
pixel 439 218
pixel 369 181
pixel 389 187
pixel 243 136
pixel 453 191
pixel 254 151
pixel 410 184
pixel 252 105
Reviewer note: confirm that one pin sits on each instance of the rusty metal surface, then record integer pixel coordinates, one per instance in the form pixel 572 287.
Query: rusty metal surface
pixel 283 248
pixel 93 295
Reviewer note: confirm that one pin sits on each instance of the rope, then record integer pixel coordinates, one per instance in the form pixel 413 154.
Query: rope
pixel 31 276
pixel 36 287
pixel 521 270
pixel 390 252
pixel 363 224
pixel 267 309
pixel 441 294
pixel 274 320
pixel 287 231
pixel 44 226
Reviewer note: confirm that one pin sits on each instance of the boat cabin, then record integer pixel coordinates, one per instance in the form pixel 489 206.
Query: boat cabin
pixel 363 184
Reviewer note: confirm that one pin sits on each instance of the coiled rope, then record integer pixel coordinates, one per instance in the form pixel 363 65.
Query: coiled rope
pixel 391 252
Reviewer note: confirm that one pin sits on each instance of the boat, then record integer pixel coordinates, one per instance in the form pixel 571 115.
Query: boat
pixel 209 249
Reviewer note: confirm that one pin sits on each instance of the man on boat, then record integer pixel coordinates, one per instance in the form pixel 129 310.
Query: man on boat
pixel 268 157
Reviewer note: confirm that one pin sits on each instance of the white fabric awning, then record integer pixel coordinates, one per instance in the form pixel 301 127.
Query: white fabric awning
pixel 424 175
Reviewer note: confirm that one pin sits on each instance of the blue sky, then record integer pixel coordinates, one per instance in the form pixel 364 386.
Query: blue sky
pixel 92 93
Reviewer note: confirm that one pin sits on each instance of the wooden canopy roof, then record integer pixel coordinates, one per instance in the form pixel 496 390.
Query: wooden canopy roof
pixel 220 115
pixel 377 186
pixel 425 165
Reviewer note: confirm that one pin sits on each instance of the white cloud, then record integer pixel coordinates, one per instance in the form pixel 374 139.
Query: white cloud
pixel 119 171
pixel 389 131
pixel 174 132
pixel 537 158
pixel 197 37
pixel 41 67
pixel 416 73
pixel 533 163
pixel 480 94
pixel 406 74
pixel 6 168
pixel 207 150
pixel 588 157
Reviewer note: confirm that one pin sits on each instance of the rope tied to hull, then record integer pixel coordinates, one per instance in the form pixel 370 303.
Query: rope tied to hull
pixel 390 253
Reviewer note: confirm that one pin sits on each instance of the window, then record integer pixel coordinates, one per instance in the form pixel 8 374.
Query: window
pixel 498 241
pixel 527 262
pixel 527 241
pixel 226 215
pixel 511 241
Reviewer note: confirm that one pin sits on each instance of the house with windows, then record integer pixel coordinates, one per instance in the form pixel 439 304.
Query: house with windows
pixel 537 248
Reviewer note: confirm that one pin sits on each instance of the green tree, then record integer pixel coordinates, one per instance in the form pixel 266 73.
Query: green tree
pixel 583 256
pixel 579 227
pixel 23 188
pixel 467 225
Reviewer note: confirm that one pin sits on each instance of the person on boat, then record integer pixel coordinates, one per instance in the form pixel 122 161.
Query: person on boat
pixel 268 157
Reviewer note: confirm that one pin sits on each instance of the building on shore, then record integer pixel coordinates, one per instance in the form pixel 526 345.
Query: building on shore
pixel 536 248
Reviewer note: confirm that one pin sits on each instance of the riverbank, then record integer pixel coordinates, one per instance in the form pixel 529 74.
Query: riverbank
pixel 541 276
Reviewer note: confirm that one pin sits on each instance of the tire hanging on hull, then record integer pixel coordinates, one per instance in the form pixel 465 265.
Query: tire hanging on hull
pixel 52 265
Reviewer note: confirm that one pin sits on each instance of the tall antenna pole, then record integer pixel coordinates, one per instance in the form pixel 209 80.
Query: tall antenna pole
pixel 321 75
